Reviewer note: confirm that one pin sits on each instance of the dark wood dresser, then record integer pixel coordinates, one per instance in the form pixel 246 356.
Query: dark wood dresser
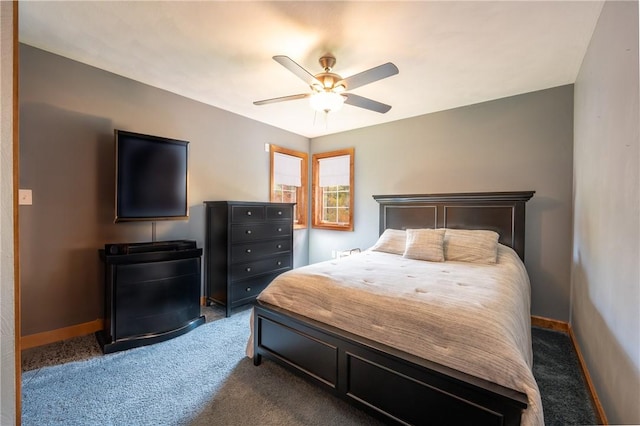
pixel 247 245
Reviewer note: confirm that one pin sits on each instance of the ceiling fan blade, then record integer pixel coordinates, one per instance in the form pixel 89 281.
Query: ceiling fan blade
pixel 369 76
pixel 282 99
pixel 366 103
pixel 292 66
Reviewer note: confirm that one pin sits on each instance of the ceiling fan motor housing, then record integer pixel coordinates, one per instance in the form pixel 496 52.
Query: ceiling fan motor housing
pixel 328 80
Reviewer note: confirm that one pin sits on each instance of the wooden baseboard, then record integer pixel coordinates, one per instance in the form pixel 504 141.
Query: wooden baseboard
pixel 565 327
pixel 602 417
pixel 549 323
pixel 44 338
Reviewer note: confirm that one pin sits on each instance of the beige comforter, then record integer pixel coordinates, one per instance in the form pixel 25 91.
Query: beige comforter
pixel 470 317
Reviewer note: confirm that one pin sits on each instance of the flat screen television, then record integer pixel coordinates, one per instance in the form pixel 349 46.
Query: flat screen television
pixel 151 177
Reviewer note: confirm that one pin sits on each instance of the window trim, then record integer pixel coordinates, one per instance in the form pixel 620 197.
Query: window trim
pixel 300 221
pixel 316 199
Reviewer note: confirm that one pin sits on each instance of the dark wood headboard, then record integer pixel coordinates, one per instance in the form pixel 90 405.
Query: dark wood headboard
pixel 503 212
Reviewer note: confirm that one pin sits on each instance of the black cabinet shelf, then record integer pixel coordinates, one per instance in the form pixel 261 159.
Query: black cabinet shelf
pixel 150 297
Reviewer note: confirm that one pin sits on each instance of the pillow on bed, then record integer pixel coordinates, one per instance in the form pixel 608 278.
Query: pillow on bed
pixel 465 245
pixel 425 244
pixel 391 241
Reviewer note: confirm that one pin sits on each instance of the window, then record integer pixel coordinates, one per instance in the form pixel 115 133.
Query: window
pixel 288 181
pixel 333 190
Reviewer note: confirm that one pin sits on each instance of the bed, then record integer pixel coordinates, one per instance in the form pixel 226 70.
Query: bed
pixel 384 374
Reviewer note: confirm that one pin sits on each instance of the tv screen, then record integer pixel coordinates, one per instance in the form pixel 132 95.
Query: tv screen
pixel 151 177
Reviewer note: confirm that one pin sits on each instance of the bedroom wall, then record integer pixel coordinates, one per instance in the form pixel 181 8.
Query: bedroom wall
pixel 518 143
pixel 68 113
pixel 8 366
pixel 606 249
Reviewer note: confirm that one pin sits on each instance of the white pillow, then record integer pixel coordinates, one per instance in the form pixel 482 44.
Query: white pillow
pixel 391 241
pixel 425 244
pixel 477 246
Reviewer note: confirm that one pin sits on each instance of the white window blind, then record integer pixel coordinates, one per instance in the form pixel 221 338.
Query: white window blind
pixel 334 171
pixel 286 169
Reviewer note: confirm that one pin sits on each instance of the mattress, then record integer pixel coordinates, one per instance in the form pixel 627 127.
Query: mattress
pixel 474 318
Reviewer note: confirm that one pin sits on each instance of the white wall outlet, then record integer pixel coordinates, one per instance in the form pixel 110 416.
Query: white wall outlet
pixel 267 147
pixel 25 197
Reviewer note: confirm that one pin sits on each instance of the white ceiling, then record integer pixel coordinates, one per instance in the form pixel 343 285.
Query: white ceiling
pixel 449 53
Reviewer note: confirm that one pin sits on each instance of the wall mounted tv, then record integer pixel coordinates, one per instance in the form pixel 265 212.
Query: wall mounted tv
pixel 151 177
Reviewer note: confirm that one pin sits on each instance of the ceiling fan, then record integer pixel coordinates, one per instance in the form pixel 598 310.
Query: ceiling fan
pixel 328 89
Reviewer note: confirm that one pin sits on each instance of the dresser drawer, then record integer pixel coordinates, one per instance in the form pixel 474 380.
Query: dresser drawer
pixel 242 214
pixel 279 212
pixel 260 231
pixel 244 291
pixel 241 271
pixel 250 251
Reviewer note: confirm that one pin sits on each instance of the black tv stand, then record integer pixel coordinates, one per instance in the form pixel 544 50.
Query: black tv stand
pixel 152 293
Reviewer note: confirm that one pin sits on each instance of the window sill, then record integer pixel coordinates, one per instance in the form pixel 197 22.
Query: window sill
pixel 334 227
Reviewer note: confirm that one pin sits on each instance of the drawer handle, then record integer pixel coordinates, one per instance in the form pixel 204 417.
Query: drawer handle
pixel 279 263
pixel 248 250
pixel 248 212
pixel 249 231
pixel 248 269
pixel 248 289
pixel 279 212
pixel 279 229
pixel 279 246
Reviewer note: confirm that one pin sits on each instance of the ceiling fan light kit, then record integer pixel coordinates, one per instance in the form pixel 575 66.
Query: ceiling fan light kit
pixel 327 88
pixel 326 101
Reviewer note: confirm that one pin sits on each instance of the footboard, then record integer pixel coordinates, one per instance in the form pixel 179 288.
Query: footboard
pixel 386 382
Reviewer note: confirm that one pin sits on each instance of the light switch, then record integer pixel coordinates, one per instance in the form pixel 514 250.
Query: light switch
pixel 266 147
pixel 25 197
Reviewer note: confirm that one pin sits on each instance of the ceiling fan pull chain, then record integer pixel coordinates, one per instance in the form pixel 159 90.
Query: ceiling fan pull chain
pixel 325 116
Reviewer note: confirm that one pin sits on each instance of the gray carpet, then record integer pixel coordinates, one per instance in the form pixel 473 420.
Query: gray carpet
pixel 565 398
pixel 203 378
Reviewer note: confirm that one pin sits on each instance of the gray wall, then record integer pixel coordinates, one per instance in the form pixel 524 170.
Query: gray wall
pixel 68 113
pixel 518 143
pixel 606 250
pixel 7 314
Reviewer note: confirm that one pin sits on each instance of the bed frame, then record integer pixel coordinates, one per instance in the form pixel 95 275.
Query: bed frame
pixel 390 384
